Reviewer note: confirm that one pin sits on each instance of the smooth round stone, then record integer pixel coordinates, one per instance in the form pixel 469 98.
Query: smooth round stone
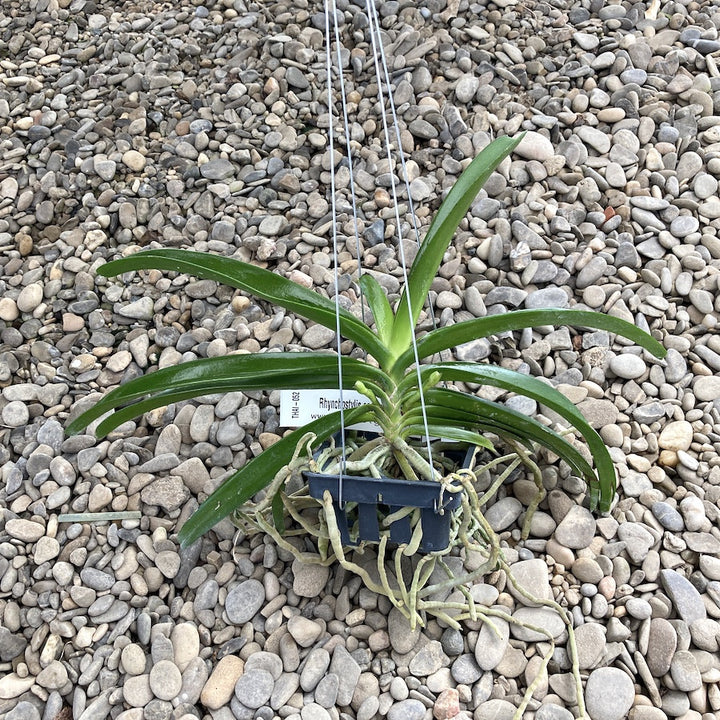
pixel 684 225
pixel 244 601
pixel 253 688
pixel 30 297
pixel 304 631
pixel 8 310
pixel 186 644
pixel 586 570
pixel 25 530
pixel 491 645
pixel 466 88
pixel 590 640
pixel 628 366
pixel 220 686
pixel 134 160
pixel 609 694
pixel 706 634
pixel 535 146
pixel 707 388
pixel 667 516
pixel 407 710
pixel 532 577
pixel 577 529
pixel 704 186
pixel 308 579
pixel 15 414
pixel 54 676
pixel 23 711
pixel 638 608
pixel 684 671
pixel 503 513
pixel 494 709
pixel 540 617
pixel 549 711
pixel 165 680
pixel 133 659
pixel 677 435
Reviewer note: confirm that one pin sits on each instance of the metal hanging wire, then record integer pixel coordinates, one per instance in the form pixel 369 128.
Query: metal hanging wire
pixel 382 77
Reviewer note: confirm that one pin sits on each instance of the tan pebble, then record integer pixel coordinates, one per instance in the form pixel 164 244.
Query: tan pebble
pixel 100 497
pixel 30 297
pixel 135 160
pixel 676 436
pixel 267 439
pixel 186 644
pixel 221 684
pixel 668 458
pixel 24 243
pixel 13 685
pixel 72 323
pixel 46 549
pixel 382 198
pixel 8 310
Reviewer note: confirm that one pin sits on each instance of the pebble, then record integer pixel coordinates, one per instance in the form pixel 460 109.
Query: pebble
pixel 165 680
pixel 308 579
pixel 492 643
pixel 609 694
pixel 535 146
pixel 244 601
pixel 686 599
pixel 628 367
pixel 590 639
pixel 254 687
pixel 220 686
pixel 577 529
pixel 407 710
pixel 676 436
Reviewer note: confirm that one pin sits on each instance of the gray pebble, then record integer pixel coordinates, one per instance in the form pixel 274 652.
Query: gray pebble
pixel 609 694
pixel 253 688
pixel 243 601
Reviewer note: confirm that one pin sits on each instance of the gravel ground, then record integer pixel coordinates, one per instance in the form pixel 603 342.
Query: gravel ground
pixel 203 125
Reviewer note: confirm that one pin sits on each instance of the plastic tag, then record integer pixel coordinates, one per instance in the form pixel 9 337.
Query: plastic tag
pixel 298 407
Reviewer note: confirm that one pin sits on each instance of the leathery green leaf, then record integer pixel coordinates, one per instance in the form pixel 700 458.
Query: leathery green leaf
pixel 472 411
pixel 261 283
pixel 258 474
pixel 438 237
pixel 230 373
pixel 546 395
pixel 447 337
pixel 378 302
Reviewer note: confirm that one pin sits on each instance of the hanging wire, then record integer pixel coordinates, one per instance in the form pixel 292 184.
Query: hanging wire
pixel 379 57
pixel 346 124
pixel 391 100
pixel 330 7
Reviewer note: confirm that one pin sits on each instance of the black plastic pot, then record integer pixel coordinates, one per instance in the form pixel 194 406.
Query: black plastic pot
pixel 376 498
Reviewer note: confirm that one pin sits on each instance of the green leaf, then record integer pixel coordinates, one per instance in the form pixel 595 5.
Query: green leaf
pixel 441 231
pixel 546 395
pixel 477 412
pixel 378 302
pixel 231 373
pixel 261 283
pixel 258 474
pixel 447 337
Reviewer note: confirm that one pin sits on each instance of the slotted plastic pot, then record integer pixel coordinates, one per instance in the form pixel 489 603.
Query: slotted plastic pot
pixel 373 499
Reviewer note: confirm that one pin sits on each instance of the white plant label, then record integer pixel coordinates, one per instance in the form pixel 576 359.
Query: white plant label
pixel 298 407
